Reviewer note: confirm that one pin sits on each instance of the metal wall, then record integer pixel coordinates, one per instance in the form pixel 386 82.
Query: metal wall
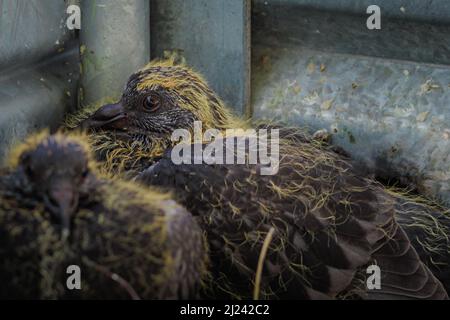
pixel 213 36
pixel 384 94
pixel 42 75
pixel 436 11
pixel 38 67
pixel 115 42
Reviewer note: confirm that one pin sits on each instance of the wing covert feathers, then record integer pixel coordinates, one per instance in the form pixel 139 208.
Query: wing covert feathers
pixel 330 225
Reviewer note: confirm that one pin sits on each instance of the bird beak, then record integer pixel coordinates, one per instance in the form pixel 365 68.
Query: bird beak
pixel 62 201
pixel 109 116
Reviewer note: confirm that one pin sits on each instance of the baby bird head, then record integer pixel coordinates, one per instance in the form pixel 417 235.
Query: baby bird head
pixel 56 170
pixel 158 99
pixel 130 240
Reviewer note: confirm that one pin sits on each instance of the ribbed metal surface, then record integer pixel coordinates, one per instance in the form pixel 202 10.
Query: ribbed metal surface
pixel 36 97
pixel 436 11
pixel 290 25
pixel 38 68
pixel 213 36
pixel 115 42
pixel 40 59
pixel 31 30
pixel 384 95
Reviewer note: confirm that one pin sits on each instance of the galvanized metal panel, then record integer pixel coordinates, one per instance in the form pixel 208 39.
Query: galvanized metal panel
pixel 214 38
pixel 382 98
pixel 31 30
pixel 114 43
pixel 290 24
pixel 38 68
pixel 36 97
pixel 436 11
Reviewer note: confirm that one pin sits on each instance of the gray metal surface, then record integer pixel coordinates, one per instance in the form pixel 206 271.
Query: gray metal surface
pixel 31 30
pixel 38 68
pixel 284 25
pixel 214 38
pixel 418 10
pixel 114 43
pixel 377 93
pixel 36 97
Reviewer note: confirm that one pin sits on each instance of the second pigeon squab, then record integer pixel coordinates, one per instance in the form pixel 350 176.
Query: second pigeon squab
pixel 58 213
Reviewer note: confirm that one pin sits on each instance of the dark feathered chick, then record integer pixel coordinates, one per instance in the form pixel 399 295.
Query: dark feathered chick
pixel 56 210
pixel 157 100
pixel 313 183
pixel 312 230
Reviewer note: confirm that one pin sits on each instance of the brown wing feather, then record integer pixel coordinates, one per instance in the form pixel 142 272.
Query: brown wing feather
pixel 329 225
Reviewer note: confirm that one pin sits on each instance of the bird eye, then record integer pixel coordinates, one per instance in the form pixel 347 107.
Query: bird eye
pixel 152 103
